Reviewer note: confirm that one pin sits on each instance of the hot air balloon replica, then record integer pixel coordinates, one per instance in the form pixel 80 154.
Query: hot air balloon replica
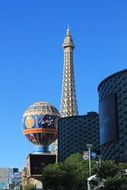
pixel 40 125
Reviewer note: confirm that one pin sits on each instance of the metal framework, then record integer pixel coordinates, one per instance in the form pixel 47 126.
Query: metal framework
pixel 68 99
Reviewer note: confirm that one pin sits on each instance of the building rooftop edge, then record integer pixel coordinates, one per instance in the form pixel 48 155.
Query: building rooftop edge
pixel 110 76
pixel 92 113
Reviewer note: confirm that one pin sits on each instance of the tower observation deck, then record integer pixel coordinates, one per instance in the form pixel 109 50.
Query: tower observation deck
pixel 68 98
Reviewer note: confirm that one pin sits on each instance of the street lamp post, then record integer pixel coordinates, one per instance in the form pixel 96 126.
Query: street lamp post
pixel 99 160
pixel 89 146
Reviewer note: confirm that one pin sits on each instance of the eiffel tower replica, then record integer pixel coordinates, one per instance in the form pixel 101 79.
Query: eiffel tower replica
pixel 68 105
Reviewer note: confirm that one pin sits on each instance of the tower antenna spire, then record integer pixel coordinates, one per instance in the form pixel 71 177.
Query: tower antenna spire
pixel 68 27
pixel 68 30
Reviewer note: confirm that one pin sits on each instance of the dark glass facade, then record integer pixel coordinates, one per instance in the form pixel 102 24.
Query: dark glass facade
pixel 113 116
pixel 75 132
pixel 108 119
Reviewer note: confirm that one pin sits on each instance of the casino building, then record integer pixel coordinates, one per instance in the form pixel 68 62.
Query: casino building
pixel 77 131
pixel 113 116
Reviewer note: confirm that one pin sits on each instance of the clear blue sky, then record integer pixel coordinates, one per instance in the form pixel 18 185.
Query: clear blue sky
pixel 31 59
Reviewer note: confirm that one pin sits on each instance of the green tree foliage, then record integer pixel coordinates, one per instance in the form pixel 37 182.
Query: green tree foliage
pixel 76 172
pixel 108 169
pixel 51 176
pixel 115 183
pixel 29 187
pixel 72 174
pixel 113 175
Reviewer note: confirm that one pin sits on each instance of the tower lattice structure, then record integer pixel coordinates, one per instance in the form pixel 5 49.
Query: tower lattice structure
pixel 68 99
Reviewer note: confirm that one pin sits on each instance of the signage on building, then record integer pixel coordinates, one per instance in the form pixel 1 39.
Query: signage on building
pixel 36 163
pixel 85 155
